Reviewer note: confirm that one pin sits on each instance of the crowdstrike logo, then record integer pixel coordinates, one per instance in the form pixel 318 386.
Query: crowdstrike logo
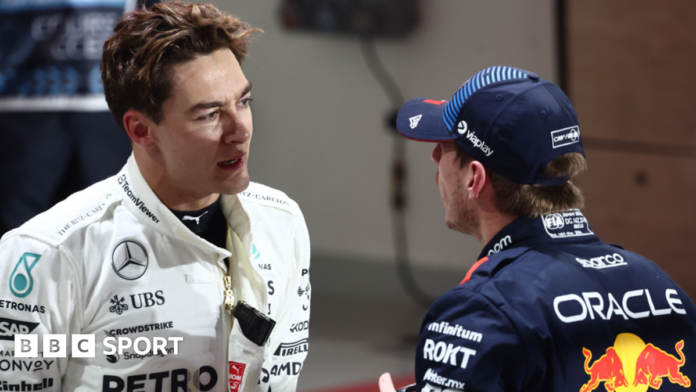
pixel 565 136
pixel 463 128
pixel 129 260
pixel 414 120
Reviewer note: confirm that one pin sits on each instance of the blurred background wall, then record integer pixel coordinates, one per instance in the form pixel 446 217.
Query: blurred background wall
pixel 320 129
pixel 631 79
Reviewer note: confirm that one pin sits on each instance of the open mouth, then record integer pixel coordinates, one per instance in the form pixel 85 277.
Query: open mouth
pixel 232 164
pixel 228 163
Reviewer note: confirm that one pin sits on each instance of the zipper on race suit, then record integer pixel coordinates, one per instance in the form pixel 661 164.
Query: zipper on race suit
pixel 228 294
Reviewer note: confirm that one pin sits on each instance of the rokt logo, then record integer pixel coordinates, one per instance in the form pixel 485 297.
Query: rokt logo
pixel 21 281
pixel 129 260
pixel 631 365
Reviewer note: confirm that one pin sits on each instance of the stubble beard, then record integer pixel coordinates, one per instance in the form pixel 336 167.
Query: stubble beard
pixel 460 217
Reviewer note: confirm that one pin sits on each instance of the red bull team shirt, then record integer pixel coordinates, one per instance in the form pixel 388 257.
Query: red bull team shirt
pixel 550 307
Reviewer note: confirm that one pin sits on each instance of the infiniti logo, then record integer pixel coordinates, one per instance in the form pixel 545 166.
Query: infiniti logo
pixel 129 260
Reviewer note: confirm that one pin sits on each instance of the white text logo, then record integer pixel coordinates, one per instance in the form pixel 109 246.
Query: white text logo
pixel 605 261
pixel 446 353
pixel 414 120
pixel 430 375
pixel 565 136
pixel 463 128
pixel 577 308
pixel 502 244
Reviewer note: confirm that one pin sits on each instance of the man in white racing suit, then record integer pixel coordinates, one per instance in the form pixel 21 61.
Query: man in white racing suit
pixel 128 259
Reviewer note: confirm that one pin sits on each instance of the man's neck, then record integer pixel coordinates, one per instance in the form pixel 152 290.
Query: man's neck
pixel 171 195
pixel 491 224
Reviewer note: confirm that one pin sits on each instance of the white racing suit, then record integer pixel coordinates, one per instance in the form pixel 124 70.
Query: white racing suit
pixel 113 261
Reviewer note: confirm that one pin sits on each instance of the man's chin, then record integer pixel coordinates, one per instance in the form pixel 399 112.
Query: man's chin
pixel 236 186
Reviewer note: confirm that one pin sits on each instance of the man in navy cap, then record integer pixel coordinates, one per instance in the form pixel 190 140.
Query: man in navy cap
pixel 548 306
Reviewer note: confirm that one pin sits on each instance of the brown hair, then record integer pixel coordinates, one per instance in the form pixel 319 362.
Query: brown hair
pixel 527 200
pixel 148 42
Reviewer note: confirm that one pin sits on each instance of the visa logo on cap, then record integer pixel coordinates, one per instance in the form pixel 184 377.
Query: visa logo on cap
pixel 565 136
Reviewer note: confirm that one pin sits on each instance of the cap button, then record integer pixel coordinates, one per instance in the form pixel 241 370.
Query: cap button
pixel 533 76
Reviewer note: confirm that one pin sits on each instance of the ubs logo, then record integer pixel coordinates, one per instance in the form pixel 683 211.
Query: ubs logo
pixel 129 260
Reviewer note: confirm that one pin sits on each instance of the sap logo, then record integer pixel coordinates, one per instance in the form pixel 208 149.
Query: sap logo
pixel 147 299
pixel 463 128
pixel 554 221
pixel 10 327
pixel 415 120
pixel 287 349
pixel 565 136
pixel 605 261
pixel 303 326
pixel 430 375
pixel 577 308
pixel 179 378
pixel 446 353
pixel 502 244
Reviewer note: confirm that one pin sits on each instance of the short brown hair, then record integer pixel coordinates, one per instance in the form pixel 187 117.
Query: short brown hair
pixel 148 42
pixel 527 200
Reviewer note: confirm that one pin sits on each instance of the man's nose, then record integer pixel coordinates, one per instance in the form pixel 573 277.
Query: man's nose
pixel 236 130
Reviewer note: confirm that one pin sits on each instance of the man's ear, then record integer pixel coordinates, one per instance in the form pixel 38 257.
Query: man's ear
pixel 477 181
pixel 139 128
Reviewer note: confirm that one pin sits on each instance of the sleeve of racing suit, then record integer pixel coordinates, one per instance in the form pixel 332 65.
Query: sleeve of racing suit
pixel 38 296
pixel 288 357
pixel 467 343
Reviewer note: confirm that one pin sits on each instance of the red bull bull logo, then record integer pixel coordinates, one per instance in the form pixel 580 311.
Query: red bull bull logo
pixel 633 366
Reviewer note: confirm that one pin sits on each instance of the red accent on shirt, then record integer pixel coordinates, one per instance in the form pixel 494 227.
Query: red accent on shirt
pixel 473 268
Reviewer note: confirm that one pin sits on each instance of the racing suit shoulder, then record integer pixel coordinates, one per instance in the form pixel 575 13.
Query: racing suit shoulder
pixel 264 195
pixel 71 216
pixel 467 340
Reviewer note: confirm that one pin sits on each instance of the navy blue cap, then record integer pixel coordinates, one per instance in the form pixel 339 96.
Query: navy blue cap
pixel 512 121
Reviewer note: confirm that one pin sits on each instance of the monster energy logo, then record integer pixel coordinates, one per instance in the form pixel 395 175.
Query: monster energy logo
pixel 21 281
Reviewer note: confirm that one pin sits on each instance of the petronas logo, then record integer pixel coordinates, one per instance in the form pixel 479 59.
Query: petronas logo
pixel 21 281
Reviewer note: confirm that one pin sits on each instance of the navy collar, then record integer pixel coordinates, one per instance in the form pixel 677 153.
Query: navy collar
pixel 564 227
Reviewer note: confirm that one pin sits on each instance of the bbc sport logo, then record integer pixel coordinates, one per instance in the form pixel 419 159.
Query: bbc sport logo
pixel 84 346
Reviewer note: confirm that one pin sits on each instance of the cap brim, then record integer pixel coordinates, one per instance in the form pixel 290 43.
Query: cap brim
pixel 421 119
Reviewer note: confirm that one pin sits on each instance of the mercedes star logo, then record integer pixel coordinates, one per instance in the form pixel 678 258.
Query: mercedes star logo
pixel 129 260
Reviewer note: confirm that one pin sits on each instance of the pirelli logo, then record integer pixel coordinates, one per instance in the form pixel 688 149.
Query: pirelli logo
pixel 287 349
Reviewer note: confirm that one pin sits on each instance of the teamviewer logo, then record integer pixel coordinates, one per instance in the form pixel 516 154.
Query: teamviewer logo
pixel 565 136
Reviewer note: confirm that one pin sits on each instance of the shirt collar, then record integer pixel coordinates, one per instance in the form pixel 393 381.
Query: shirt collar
pixel 564 227
pixel 150 211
